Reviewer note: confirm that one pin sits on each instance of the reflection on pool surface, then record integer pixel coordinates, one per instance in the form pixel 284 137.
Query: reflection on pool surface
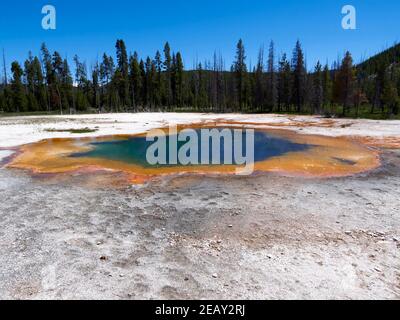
pixel 133 149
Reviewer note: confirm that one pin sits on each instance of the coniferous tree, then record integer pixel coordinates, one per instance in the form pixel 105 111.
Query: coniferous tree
pixel 144 84
pixel 153 84
pixel 317 94
pixel 259 83
pixel 67 86
pixel 158 66
pixel 240 70
pixel 3 104
pixel 135 81
pixel 57 79
pixel 122 74
pixel 173 80
pixel 390 94
pixel 326 87
pixel 380 85
pixel 106 75
pixel 149 83
pixel 213 87
pixel 221 85
pixel 19 102
pixel 178 80
pixel 346 83
pixel 202 91
pixel 168 70
pixel 271 83
pixel 95 87
pixel 38 82
pixel 31 86
pixel 359 96
pixel 299 77
pixel 284 84
pixel 81 79
pixel 48 72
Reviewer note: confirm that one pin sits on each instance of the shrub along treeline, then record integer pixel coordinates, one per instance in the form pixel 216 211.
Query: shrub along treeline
pixel 129 83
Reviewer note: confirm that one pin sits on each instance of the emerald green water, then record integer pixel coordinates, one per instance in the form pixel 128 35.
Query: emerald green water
pixel 133 150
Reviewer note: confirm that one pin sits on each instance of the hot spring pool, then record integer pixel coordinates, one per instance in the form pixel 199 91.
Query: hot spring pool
pixel 132 150
pixel 280 151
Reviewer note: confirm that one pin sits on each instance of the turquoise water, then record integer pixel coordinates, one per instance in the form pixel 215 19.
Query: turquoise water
pixel 133 150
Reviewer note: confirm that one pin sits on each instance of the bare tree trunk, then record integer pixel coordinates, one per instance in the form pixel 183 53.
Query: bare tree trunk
pixel 59 96
pixel 5 69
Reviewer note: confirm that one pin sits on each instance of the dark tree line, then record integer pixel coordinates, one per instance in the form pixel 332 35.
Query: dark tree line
pixel 160 83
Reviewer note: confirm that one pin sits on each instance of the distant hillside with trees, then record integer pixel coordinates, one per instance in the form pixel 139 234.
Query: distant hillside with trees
pixel 129 83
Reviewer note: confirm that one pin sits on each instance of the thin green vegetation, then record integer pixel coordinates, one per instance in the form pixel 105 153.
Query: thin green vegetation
pixel 75 131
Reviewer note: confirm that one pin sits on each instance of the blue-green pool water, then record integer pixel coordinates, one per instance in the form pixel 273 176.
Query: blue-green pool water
pixel 133 150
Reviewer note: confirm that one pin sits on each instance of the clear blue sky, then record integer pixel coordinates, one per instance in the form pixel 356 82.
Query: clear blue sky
pixel 198 28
